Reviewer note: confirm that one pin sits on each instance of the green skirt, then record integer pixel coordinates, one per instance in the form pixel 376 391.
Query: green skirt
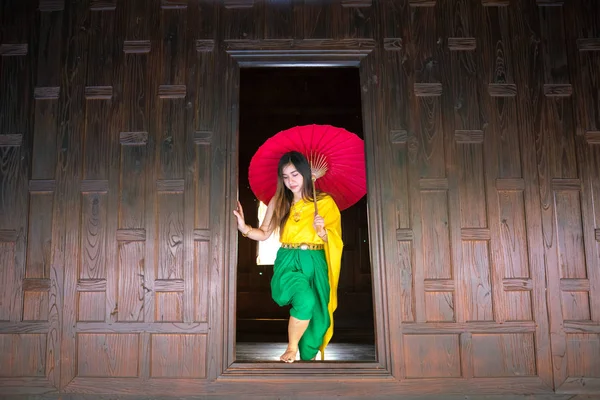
pixel 300 279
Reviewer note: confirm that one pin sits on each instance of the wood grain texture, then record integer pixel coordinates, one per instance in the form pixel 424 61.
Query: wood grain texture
pixel 356 3
pixel 515 353
pixel 91 285
pixel 172 91
pixel 428 89
pixel 13 49
pixel 173 4
pixel 170 234
pixel 586 126
pixel 101 355
pixel 103 5
pixel 33 349
pixel 35 305
pixel 174 355
pixel 592 137
pixel 91 306
pixel 518 306
pixel 462 43
pixel 7 296
pixel 502 89
pixel 133 138
pixel 137 46
pixel 131 283
pixel 98 92
pixel 478 290
pixel 437 257
pixel 46 93
pixel 169 306
pixel 440 356
pixel 512 235
pixel 11 140
pixel 202 279
pixel 51 5
pixel 527 70
pixel 39 243
pixel 93 234
pixel 588 44
pixel 205 45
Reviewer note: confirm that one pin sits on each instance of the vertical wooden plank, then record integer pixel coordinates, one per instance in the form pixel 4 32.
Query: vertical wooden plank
pixel 44 164
pixel 320 19
pixel 280 18
pixel 153 118
pixel 444 15
pixel 223 182
pixel 170 236
pixel 208 17
pixel 381 202
pixel 131 278
pixel 408 279
pixel 189 192
pixel 68 176
pixel 355 22
pixel 437 260
pixel 93 236
pixel 39 241
pixel 243 23
pixel 134 19
pixel 171 142
pixel 7 257
pixel 555 159
pixel 492 47
pixel 426 155
pixel 173 149
pixel 201 280
pixel 525 44
pixel 471 181
pixel 97 136
pixel 477 288
pixel 16 118
pixel 115 75
pixel 586 108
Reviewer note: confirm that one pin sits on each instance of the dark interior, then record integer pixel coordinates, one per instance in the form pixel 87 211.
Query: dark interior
pixel 271 100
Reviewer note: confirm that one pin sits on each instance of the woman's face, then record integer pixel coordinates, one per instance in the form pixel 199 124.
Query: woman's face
pixel 293 180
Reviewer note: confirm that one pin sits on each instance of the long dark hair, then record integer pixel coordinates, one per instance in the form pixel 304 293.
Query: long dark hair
pixel 284 196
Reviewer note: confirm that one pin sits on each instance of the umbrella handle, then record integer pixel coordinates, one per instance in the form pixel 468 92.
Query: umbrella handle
pixel 315 198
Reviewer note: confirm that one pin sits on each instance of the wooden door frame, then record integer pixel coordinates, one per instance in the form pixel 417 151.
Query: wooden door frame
pixel 305 53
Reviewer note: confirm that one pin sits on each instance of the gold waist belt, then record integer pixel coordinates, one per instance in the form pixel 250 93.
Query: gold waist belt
pixel 302 246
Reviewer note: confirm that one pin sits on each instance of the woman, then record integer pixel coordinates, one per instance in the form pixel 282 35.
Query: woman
pixel 307 266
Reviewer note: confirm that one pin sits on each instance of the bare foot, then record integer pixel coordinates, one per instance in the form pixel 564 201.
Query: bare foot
pixel 289 356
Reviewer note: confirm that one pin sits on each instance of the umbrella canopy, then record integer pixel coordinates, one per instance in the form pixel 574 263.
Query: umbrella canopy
pixel 342 152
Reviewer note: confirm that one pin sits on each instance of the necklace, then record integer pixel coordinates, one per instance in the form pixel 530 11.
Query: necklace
pixel 297 212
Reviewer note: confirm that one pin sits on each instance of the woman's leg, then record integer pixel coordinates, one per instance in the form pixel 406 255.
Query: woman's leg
pixel 296 329
pixel 291 285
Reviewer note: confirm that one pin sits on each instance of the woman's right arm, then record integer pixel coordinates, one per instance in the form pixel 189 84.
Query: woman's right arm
pixel 262 233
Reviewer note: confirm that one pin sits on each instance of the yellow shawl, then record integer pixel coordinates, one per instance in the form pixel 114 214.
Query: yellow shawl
pixel 303 232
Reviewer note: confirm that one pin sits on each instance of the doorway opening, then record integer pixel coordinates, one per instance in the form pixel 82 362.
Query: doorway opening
pixel 271 100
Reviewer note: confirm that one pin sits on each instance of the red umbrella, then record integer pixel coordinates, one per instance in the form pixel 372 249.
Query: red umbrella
pixel 342 152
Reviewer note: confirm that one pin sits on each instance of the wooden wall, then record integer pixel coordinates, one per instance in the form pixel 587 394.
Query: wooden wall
pixel 118 172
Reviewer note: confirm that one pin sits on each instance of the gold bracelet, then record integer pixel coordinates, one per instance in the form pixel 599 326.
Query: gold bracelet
pixel 247 233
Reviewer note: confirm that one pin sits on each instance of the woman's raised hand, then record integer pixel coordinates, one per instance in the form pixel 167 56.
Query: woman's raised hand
pixel 318 223
pixel 239 214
